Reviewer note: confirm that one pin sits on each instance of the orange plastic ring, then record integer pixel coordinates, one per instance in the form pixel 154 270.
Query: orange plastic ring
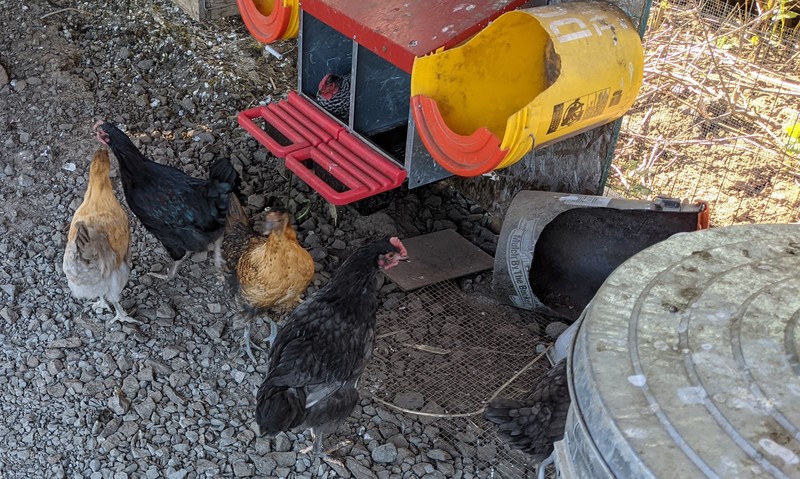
pixel 267 20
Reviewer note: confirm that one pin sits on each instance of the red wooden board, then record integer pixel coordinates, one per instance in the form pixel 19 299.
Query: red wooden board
pixel 400 30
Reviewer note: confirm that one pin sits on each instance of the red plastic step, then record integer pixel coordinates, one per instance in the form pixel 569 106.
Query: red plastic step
pixel 318 144
pixel 295 118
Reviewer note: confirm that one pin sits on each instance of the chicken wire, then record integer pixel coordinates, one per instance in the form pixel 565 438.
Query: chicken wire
pixel 715 116
pixel 453 353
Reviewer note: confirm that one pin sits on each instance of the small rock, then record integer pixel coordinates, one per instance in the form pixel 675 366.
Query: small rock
pixel 173 396
pixel 359 470
pixel 238 376
pixel 179 474
pixel 264 465
pixel 434 201
pixel 409 400
pixel 158 367
pixel 118 402
pixel 214 331
pixel 65 343
pixel 187 104
pixel 9 315
pixel 145 374
pixel 3 77
pixel 165 311
pixel 169 352
pixel 438 455
pixel 214 308
pixel 385 453
pixel 284 459
pixel 256 202
pixel 204 466
pixel 145 408
pixel 179 379
pixel 486 453
pixel 243 469
pixel 10 289
pixel 56 390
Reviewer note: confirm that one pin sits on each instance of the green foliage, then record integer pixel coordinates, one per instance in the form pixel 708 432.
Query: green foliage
pixel 793 141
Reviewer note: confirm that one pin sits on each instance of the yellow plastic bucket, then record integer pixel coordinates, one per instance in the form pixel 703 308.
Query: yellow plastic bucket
pixel 530 78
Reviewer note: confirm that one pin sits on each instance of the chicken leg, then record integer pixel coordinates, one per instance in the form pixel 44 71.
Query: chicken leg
pixel 218 261
pixel 101 305
pixel 172 270
pixel 325 455
pixel 247 346
pixel 122 316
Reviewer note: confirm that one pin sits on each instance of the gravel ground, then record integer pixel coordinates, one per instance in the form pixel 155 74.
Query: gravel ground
pixel 169 398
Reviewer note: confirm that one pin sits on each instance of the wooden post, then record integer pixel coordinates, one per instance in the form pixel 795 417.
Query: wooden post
pixel 203 10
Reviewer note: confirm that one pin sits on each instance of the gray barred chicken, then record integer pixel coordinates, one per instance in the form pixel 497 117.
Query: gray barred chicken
pixel 334 95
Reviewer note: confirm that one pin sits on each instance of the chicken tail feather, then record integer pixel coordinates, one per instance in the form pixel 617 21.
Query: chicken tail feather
pixel 279 409
pixel 534 423
pixel 221 183
pixel 236 214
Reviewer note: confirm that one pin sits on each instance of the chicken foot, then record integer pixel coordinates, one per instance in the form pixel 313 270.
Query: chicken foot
pixel 325 455
pixel 101 305
pixel 173 270
pixel 122 316
pixel 247 346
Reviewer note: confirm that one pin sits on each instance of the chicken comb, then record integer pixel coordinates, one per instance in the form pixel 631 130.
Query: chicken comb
pixel 324 82
pixel 395 241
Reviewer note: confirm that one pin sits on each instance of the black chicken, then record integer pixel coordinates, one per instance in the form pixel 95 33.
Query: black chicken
pixel 186 214
pixel 323 348
pixel 535 422
pixel 333 95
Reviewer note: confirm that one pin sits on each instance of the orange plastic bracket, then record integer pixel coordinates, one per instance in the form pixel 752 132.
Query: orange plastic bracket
pixel 470 155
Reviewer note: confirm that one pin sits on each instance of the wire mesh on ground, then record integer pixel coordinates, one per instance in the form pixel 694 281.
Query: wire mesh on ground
pixel 443 354
pixel 718 115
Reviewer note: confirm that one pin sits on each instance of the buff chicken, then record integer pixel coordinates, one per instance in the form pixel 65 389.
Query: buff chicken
pixel 268 269
pixel 97 260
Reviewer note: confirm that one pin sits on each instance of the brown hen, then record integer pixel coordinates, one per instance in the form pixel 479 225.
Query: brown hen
pixel 269 269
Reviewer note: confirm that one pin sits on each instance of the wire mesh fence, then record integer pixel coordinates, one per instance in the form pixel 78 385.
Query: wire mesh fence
pixel 718 116
pixel 440 356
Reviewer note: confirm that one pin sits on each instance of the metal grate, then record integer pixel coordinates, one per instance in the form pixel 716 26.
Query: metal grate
pixel 713 118
pixel 453 353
